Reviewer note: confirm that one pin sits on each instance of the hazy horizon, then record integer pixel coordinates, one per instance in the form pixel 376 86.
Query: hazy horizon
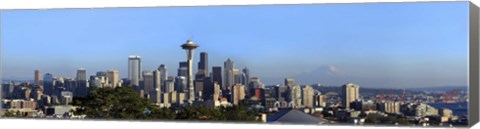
pixel 373 45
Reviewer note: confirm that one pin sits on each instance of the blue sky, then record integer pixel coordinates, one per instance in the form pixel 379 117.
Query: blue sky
pixel 374 45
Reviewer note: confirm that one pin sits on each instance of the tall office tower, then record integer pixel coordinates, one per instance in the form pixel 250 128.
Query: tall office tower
pixel 217 76
pixel 134 69
pixel 202 66
pixel 82 83
pixel 112 76
pixel 182 69
pixel 238 93
pixel 181 84
pixel 289 82
pixel 37 77
pixel 148 82
pixel 199 84
pixel 307 96
pixel 157 80
pixel 81 74
pixel 236 76
pixel 48 84
pixel 228 74
pixel 170 84
pixel 216 91
pixel 163 76
pixel 296 95
pixel 246 76
pixel 189 47
pixel 156 97
pixel 350 93
pixel 208 89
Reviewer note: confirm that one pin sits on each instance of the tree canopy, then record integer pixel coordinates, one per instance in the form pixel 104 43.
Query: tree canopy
pixel 125 103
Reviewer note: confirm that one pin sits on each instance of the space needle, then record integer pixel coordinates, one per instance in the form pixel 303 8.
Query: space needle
pixel 189 47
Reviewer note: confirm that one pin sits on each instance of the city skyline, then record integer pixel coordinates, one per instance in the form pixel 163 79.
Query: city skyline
pixel 335 63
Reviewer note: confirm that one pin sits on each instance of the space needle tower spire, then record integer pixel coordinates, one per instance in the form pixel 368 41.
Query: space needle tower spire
pixel 189 47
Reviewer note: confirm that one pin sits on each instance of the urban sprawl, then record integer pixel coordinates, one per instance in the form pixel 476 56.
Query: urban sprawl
pixel 222 90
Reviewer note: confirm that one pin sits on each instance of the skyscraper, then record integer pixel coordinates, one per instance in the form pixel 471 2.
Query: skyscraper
pixel 181 84
pixel 217 76
pixel 82 83
pixel 81 74
pixel 350 93
pixel 296 95
pixel 228 74
pixel 189 47
pixel 246 75
pixel 48 83
pixel 182 69
pixel 134 68
pixel 236 76
pixel 308 96
pixel 202 65
pixel 163 77
pixel 216 91
pixel 170 84
pixel 238 93
pixel 112 76
pixel 37 77
pixel 147 82
pixel 157 80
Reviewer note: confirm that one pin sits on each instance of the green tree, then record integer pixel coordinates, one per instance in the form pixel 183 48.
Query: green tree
pixel 118 103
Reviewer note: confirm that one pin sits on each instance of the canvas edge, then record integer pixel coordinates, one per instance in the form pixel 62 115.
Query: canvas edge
pixel 474 54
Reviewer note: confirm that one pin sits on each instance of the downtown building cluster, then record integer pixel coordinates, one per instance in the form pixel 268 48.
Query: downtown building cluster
pixel 214 86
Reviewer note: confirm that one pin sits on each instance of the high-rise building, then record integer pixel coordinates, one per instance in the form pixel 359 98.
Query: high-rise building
pixel 189 47
pixel 307 97
pixel 182 69
pixel 296 95
pixel 148 82
pixel 229 79
pixel 217 76
pixel 134 69
pixel 156 97
pixel 202 66
pixel 170 84
pixel 157 80
pixel 236 76
pixel 181 84
pixel 246 76
pixel 238 93
pixel 48 84
pixel 112 76
pixel 81 74
pixel 216 91
pixel 163 77
pixel 37 77
pixel 350 93
pixel 82 83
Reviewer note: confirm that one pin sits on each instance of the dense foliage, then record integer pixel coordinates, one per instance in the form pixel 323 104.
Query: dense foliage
pixel 125 103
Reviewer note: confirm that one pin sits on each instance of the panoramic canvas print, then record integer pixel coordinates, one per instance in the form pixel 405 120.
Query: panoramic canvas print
pixel 382 64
